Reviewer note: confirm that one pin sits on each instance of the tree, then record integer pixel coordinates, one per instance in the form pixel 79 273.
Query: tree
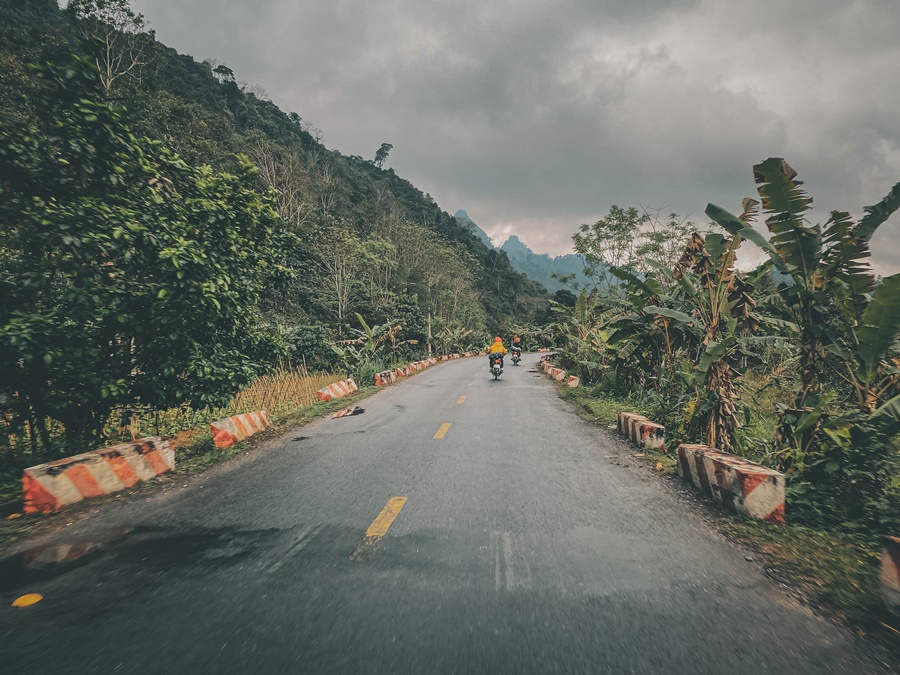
pixel 633 239
pixel 127 277
pixel 341 258
pixel 125 44
pixel 382 154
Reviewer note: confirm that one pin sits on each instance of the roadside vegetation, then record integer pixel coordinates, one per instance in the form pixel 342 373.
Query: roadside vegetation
pixel 794 364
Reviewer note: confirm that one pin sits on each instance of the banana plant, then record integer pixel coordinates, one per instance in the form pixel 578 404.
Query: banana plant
pixel 717 314
pixel 368 342
pixel 828 267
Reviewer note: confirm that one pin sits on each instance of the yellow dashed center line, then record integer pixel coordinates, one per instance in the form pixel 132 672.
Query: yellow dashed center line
pixel 379 527
pixel 445 427
pixel 382 523
pixel 462 399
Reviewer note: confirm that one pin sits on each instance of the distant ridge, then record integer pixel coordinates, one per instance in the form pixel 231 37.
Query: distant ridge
pixel 463 218
pixel 538 267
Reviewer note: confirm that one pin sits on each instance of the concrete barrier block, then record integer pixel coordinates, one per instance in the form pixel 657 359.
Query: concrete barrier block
pixel 650 435
pixel 632 433
pixel 574 381
pixel 558 374
pixel 690 465
pixel 53 485
pixel 236 428
pixel 337 389
pixel 620 421
pixel 746 487
pixel 385 378
pixel 890 574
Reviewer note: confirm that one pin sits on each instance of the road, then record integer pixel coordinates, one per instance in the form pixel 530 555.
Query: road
pixel 521 547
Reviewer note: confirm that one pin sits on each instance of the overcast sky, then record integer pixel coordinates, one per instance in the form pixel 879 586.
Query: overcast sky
pixel 536 116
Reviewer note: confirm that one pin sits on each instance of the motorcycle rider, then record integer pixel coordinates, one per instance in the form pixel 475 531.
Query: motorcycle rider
pixel 496 348
pixel 517 346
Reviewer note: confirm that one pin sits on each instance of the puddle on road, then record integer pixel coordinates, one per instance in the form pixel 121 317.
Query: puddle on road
pixel 42 563
pixel 143 550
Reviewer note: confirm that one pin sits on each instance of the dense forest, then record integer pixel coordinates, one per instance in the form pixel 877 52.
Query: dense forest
pixel 169 233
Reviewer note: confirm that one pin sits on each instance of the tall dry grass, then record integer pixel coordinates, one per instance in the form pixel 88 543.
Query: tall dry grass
pixel 280 392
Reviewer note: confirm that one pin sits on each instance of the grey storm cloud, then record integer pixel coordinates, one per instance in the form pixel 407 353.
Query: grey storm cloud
pixel 536 116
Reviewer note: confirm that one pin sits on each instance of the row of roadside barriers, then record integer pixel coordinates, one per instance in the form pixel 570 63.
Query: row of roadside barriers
pixel 558 374
pixel 745 487
pixel 53 485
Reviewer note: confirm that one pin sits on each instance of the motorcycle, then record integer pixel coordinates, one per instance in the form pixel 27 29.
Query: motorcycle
pixel 516 356
pixel 496 370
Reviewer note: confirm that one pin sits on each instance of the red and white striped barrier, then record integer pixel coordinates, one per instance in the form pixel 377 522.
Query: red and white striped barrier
pixel 236 428
pixel 748 488
pixel 401 372
pixel 574 381
pixel 337 390
pixel 387 377
pixel 890 574
pixel 558 374
pixel 641 431
pixel 48 487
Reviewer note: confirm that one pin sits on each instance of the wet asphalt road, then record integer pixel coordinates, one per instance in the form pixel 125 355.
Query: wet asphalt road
pixel 521 548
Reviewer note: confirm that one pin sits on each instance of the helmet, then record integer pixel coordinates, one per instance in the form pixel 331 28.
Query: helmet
pixel 517 340
pixel 496 339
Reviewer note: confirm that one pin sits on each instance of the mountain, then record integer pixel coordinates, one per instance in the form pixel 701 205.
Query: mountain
pixel 538 267
pixel 463 218
pixel 541 267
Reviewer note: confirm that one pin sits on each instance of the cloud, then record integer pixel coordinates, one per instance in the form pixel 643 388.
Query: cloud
pixel 537 116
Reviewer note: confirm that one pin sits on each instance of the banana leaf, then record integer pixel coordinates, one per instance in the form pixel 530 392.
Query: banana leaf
pixel 778 323
pixel 876 215
pixel 782 196
pixel 649 287
pixel 736 226
pixel 669 313
pixel 887 417
pixel 713 352
pixel 880 327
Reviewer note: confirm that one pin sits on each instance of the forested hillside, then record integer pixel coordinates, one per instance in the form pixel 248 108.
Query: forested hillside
pixel 367 240
pixel 168 235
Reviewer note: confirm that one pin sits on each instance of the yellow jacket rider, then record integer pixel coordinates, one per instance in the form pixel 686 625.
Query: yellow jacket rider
pixel 497 348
